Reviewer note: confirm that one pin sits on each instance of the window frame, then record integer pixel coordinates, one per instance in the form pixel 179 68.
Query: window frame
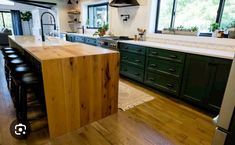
pixel 1 15
pixel 97 5
pixel 218 16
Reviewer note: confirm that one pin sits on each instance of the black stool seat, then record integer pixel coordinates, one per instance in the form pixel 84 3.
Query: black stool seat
pixel 10 52
pixel 17 61
pixel 11 56
pixel 29 79
pixel 7 48
pixel 23 68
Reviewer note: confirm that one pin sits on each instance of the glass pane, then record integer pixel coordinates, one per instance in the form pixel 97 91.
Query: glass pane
pixel 165 12
pixel 228 14
pixel 7 20
pixel 1 21
pixel 91 17
pixel 100 16
pixel 200 13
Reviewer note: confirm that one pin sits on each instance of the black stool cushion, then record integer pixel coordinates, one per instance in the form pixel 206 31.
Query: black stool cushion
pixel 29 78
pixel 12 56
pixel 7 48
pixel 23 68
pixel 16 61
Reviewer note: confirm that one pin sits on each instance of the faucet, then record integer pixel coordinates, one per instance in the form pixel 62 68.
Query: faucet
pixel 42 24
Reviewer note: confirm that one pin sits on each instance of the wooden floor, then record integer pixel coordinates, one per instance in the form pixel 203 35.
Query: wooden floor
pixel 162 121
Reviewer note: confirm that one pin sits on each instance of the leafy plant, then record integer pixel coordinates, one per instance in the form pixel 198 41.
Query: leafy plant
pixel 26 16
pixel 232 25
pixel 182 28
pixel 213 27
pixel 102 30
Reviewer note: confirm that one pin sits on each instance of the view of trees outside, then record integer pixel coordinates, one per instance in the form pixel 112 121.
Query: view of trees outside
pixel 98 16
pixel 165 12
pixel 228 14
pixel 7 20
pixel 200 13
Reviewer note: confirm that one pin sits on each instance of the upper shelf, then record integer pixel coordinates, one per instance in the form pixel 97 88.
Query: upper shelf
pixel 74 13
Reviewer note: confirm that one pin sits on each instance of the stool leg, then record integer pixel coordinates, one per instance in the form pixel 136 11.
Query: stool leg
pixel 22 104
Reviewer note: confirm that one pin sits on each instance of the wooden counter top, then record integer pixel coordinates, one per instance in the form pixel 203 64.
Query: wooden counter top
pixel 54 48
pixel 80 81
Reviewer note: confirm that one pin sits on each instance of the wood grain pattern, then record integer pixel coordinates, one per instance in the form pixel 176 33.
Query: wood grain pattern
pixel 162 121
pixel 80 83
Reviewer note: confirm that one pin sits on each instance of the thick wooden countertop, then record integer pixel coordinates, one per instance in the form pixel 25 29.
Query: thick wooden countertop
pixel 80 81
pixel 54 48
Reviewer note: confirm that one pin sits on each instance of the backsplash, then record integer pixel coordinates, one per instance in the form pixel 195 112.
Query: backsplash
pixel 192 41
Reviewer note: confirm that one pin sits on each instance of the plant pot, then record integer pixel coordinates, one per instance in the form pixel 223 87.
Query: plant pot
pixel 188 33
pixel 168 32
pixel 231 33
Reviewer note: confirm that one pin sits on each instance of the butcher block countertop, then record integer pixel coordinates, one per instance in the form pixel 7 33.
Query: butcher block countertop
pixel 80 81
pixel 54 48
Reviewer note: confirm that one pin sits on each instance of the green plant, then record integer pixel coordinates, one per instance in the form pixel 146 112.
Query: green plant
pixel 194 29
pixel 213 27
pixel 232 25
pixel 102 30
pixel 26 16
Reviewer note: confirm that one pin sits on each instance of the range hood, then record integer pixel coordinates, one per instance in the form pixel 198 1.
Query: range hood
pixel 124 3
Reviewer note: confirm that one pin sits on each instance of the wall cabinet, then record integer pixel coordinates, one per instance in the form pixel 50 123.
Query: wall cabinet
pixel 198 79
pixel 205 80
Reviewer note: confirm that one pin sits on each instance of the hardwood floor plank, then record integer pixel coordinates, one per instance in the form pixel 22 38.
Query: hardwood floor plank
pixel 163 121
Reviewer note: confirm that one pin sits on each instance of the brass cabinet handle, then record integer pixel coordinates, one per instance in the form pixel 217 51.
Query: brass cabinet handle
pixel 151 79
pixel 136 74
pixel 126 48
pixel 125 57
pixel 154 53
pixel 153 65
pixel 137 60
pixel 169 85
pixel 173 56
pixel 171 70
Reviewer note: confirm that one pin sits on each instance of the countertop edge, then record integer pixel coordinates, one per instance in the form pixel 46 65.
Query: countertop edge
pixel 186 49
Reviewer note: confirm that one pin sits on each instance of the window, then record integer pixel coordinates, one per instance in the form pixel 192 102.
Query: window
pixel 228 13
pixel 97 15
pixel 190 13
pixel 5 20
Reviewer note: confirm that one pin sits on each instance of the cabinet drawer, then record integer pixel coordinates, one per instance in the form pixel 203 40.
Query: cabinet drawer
pixel 164 66
pixel 91 41
pixel 70 38
pixel 134 59
pixel 132 48
pixel 132 72
pixel 79 39
pixel 162 82
pixel 165 54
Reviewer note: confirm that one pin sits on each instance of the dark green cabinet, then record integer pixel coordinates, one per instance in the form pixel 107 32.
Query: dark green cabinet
pixel 132 61
pixel 205 79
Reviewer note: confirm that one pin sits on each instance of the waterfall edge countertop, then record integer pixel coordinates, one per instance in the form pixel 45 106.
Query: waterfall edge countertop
pixel 219 53
pixel 80 81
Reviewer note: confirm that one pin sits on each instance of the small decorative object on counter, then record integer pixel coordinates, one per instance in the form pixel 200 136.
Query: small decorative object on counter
pixel 231 30
pixel 220 34
pixel 135 37
pixel 214 28
pixel 141 34
pixel 102 30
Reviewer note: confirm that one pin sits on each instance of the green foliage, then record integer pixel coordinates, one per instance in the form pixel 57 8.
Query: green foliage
pixel 102 30
pixel 231 25
pixel 26 16
pixel 182 28
pixel 213 27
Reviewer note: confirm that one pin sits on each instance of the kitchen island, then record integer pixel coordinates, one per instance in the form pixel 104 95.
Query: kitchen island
pixel 80 81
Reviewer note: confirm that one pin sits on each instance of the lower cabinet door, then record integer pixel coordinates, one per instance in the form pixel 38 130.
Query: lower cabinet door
pixel 197 76
pixel 132 72
pixel 162 82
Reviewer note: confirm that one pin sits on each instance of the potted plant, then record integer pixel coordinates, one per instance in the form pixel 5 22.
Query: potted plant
pixel 231 30
pixel 214 28
pixel 27 16
pixel 102 30
pixel 181 30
